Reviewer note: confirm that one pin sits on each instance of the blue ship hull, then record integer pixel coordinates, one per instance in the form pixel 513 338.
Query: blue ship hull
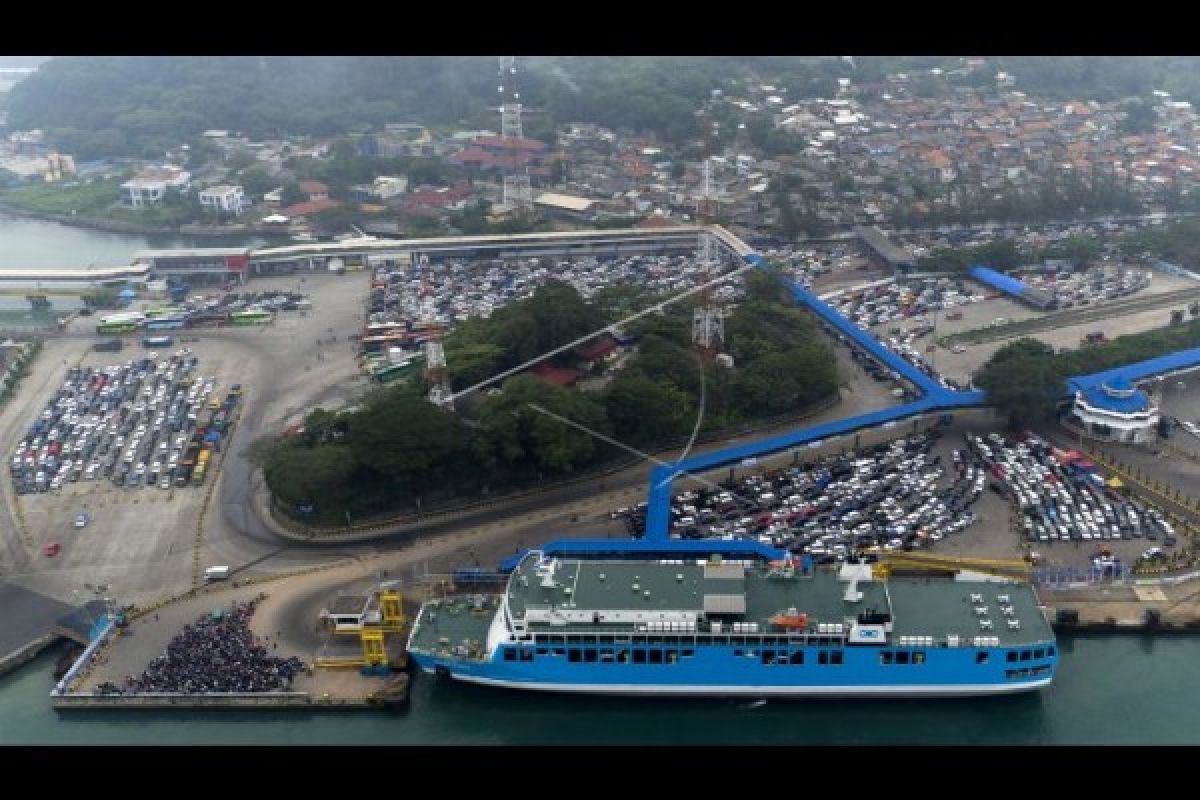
pixel 718 671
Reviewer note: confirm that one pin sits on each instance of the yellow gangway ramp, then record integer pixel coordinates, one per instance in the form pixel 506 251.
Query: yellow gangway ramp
pixel 992 566
pixel 391 610
pixel 374 652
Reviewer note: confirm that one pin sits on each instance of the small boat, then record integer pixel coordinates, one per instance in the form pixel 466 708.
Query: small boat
pixel 790 620
pixel 303 236
pixel 759 703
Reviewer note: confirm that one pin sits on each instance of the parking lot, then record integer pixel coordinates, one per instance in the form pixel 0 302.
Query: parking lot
pixel 1062 498
pixel 959 365
pixel 150 422
pixel 142 542
pixel 448 291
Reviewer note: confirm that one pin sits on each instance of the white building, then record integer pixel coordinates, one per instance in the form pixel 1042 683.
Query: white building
pixel 148 186
pixel 225 199
pixel 1114 411
pixel 388 186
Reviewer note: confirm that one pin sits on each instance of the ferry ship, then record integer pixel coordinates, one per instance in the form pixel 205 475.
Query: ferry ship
pixel 754 628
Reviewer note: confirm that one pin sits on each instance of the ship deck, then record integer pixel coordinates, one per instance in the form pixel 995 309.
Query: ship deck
pixel 933 606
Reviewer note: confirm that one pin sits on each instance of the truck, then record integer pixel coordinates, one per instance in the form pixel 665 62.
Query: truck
pixel 108 346
pixel 158 341
pixel 1095 337
pixel 217 573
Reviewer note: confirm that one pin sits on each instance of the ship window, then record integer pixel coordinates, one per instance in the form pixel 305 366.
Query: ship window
pixel 573 655
pixel 1039 654
pixel 823 657
pixel 721 640
pixel 885 657
pixel 768 656
pixel 541 639
pixel 919 657
pixel 605 639
pixel 606 656
pixel 655 656
pixel 738 641
pixel 1026 655
pixel 769 640
pixel 589 655
pixel 526 654
pixel 688 653
pixel 981 657
pixel 560 651
pixel 543 651
pixel 672 656
pixel 902 657
pixel 797 657
pixel 589 639
pixel 835 657
pixel 1012 656
pixel 558 640
pixel 623 656
pixel 1050 652
pixel 510 654
pixel 639 640
pixel 639 656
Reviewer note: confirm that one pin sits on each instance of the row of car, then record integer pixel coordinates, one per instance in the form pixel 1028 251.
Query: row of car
pixel 451 290
pixel 1071 289
pixel 128 422
pixel 1062 497
pixel 887 495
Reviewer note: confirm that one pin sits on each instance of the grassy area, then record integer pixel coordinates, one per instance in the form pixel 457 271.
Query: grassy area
pixel 153 215
pixel 85 198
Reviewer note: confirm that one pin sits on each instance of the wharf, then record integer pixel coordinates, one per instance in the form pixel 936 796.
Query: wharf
pixel 1145 607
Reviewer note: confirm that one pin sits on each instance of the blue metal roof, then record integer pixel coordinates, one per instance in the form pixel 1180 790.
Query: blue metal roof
pixel 1096 397
pixel 668 548
pixel 864 340
pixel 997 280
pixel 1174 362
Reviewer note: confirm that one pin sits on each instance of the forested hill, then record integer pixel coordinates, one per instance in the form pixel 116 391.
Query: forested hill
pixel 123 105
pixel 126 105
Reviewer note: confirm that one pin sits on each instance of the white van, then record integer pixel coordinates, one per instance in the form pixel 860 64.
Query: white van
pixel 216 573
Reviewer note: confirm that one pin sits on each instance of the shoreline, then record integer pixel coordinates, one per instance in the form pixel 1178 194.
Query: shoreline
pixel 121 226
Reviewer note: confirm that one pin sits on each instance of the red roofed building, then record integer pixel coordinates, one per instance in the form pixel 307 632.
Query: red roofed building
pixel 598 348
pixel 314 189
pixel 508 144
pixel 656 221
pixel 557 376
pixel 453 197
pixel 310 207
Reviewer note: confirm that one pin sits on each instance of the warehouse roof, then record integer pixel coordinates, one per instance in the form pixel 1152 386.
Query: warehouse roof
pixel 564 202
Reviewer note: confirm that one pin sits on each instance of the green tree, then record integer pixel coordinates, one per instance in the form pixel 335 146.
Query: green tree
pixel 256 181
pixel 1023 382
pixel 292 195
pixel 647 411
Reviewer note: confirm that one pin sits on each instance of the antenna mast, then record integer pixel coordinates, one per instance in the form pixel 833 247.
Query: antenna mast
pixel 518 194
pixel 708 319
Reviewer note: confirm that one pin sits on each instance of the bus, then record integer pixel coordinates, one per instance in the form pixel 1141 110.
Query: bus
pixel 117 327
pixel 128 316
pixel 166 324
pixel 164 311
pixel 253 317
pixel 395 372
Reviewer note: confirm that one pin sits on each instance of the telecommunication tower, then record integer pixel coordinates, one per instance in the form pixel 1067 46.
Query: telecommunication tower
pixel 708 319
pixel 435 371
pixel 518 194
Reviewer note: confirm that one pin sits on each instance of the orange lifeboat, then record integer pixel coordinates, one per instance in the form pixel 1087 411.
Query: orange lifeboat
pixel 790 620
